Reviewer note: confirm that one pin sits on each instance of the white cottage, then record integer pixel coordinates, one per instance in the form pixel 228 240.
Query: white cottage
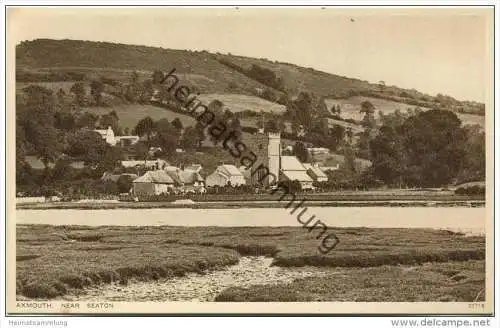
pixel 225 174
pixel 153 183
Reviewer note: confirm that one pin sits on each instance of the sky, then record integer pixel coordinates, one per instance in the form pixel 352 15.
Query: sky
pixel 441 50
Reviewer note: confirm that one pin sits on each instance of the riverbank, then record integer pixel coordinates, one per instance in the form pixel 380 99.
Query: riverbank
pixel 59 261
pixel 276 203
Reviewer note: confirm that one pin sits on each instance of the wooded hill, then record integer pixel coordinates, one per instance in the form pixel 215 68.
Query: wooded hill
pixel 46 60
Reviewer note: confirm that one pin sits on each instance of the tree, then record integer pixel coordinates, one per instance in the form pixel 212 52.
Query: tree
pixel 146 91
pixel 235 125
pixel 268 94
pixel 64 121
pixel 215 106
pixel 110 120
pixel 301 109
pixel 87 120
pixel 134 89
pixel 367 107
pixel 283 100
pixel 62 170
pixel 434 142
pixel 36 116
pixel 388 156
pixel 370 124
pixel 145 127
pixel 338 132
pixel 265 76
pixel 394 119
pixel 272 126
pixel 320 108
pixel 381 86
pixel 24 174
pixel 333 109
pixel 111 158
pixel 177 124
pixel 349 159
pixel 96 90
pixel 369 118
pixel 474 165
pixel 158 77
pixel 132 93
pixel 124 183
pixel 190 140
pixel 363 144
pixel 349 134
pixel 78 89
pixel 141 150
pixel 301 152
pixel 86 145
pixel 167 136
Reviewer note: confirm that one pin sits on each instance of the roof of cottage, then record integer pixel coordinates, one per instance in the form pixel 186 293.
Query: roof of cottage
pixel 158 176
pixel 291 163
pixel 230 169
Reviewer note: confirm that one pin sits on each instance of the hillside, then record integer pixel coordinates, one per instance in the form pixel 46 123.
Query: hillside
pixel 130 115
pixel 207 72
pixel 351 105
pixel 238 103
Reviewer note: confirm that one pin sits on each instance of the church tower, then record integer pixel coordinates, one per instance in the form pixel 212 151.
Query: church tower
pixel 274 154
pixel 267 148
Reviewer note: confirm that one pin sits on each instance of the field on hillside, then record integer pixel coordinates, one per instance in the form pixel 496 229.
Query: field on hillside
pixel 472 119
pixel 130 115
pixel 238 103
pixel 350 109
pixel 350 106
pixel 57 260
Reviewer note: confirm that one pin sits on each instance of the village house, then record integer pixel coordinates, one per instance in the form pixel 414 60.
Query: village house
pixel 109 136
pixel 225 174
pixel 186 181
pixel 153 183
pixel 315 172
pixel 192 182
pixel 194 167
pixel 292 169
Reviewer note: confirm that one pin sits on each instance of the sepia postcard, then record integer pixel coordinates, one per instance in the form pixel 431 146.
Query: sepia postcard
pixel 264 160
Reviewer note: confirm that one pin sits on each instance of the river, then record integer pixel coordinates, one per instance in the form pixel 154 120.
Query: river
pixel 453 218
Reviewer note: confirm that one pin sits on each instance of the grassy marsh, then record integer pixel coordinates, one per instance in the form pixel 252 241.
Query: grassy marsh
pixel 54 260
